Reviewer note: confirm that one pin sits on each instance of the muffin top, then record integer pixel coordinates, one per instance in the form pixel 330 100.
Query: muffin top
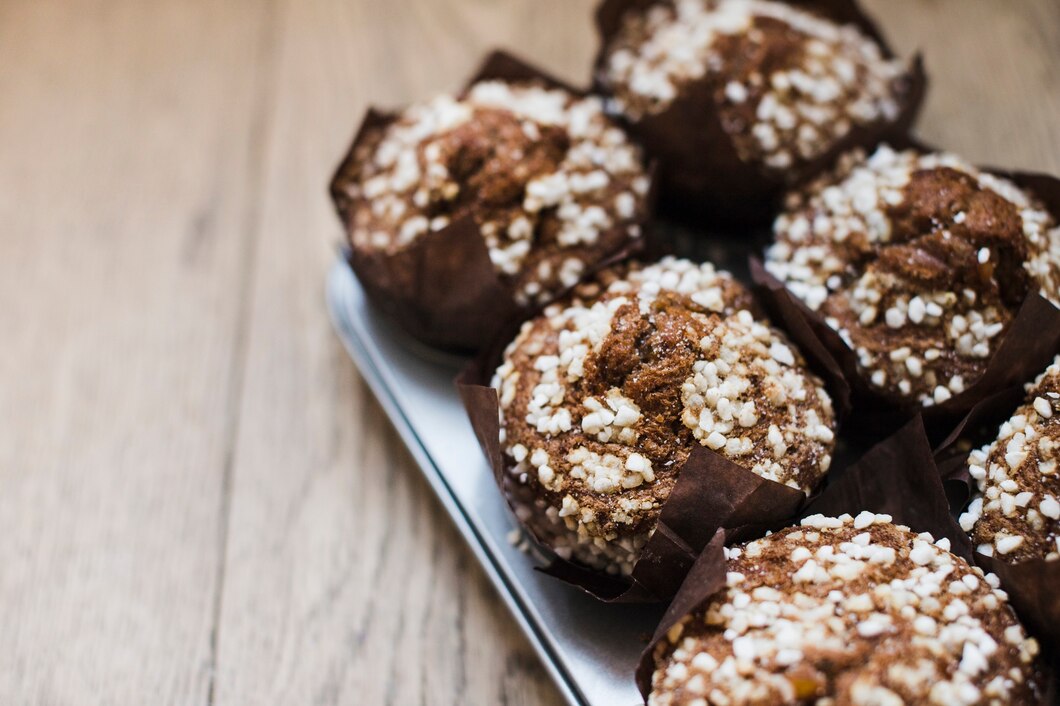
pixel 552 183
pixel 852 611
pixel 919 261
pixel 787 84
pixel 1016 515
pixel 602 399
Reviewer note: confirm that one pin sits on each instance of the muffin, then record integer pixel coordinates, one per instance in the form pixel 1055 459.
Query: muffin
pixel 533 175
pixel 848 611
pixel 920 262
pixel 1016 514
pixel 603 397
pixel 737 98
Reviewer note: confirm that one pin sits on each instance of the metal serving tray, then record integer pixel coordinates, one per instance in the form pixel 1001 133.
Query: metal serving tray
pixel 588 647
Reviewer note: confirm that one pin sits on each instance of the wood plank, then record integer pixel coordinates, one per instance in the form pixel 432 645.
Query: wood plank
pixel 995 90
pixel 128 131
pixel 345 581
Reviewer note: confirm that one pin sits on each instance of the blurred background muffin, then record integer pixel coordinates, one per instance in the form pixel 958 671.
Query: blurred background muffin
pixel 738 98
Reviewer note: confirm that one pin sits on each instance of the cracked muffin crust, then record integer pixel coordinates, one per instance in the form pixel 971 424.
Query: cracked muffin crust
pixel 553 184
pixel 603 397
pixel 920 262
pixel 1016 513
pixel 786 83
pixel 852 611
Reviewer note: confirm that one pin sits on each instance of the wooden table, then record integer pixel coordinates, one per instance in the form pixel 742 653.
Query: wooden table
pixel 200 501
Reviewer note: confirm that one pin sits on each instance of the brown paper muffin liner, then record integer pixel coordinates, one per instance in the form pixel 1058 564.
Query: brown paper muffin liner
pixel 895 477
pixel 1028 347
pixel 732 191
pixel 711 493
pixel 442 289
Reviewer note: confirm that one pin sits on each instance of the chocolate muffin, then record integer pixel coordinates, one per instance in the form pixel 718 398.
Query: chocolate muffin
pixel 548 182
pixel 849 611
pixel 1016 514
pixel 736 98
pixel 920 262
pixel 603 397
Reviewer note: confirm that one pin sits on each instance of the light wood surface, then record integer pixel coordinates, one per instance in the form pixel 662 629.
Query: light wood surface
pixel 200 501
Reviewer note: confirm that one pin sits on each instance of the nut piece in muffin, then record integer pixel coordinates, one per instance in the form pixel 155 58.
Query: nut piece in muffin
pixel 1016 514
pixel 849 611
pixel 551 182
pixel 603 398
pixel 920 262
pixel 785 86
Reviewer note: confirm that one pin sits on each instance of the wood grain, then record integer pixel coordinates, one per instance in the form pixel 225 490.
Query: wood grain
pixel 200 501
pixel 345 582
pixel 125 200
pixel 994 95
